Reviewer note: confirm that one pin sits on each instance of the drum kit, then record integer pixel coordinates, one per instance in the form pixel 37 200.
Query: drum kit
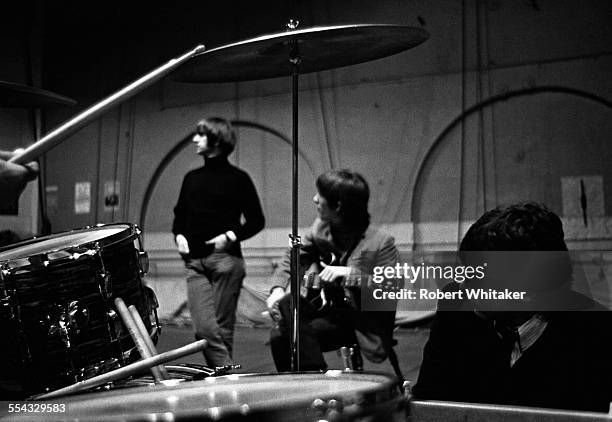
pixel 58 293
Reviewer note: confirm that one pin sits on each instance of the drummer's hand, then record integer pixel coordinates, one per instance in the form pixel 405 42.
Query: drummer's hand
pixel 222 241
pixel 333 272
pixel 14 177
pixel 272 303
pixel 181 243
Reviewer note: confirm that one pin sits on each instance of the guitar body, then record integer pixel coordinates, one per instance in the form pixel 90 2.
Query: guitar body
pixel 321 294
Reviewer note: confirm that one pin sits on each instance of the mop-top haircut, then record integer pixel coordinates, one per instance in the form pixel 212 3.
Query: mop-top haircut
pixel 351 191
pixel 220 132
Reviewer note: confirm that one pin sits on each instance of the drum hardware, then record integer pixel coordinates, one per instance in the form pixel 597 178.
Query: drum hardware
pixel 345 354
pixel 143 256
pixel 143 262
pixel 138 232
pixel 407 389
pixel 38 261
pixel 97 369
pixel 351 358
pixel 104 275
pixel 84 373
pixel 128 370
pixel 114 325
pixel 7 306
pixel 225 370
pixel 201 371
pixel 153 317
pixel 76 255
pixel 66 321
pixel 105 286
pixel 328 410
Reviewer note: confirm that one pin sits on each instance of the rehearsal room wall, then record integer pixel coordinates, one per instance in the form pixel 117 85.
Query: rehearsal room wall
pixel 389 119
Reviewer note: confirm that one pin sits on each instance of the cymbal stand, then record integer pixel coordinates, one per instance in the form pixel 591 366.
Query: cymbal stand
pixel 296 240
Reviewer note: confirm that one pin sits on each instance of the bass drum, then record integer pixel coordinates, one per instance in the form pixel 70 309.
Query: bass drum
pixel 332 396
pixel 57 296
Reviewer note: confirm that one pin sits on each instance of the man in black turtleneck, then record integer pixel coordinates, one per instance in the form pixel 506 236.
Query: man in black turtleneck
pixel 208 230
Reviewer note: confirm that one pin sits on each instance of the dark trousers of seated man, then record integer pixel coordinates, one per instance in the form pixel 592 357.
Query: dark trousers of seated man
pixel 320 331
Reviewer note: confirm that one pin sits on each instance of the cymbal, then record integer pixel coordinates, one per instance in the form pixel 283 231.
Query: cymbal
pixel 17 95
pixel 320 48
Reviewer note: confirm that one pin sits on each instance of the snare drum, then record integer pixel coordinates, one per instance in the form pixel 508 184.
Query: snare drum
pixel 57 314
pixel 335 395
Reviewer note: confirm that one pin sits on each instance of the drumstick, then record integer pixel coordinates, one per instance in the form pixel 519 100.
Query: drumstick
pixel 139 340
pixel 147 339
pixel 58 134
pixel 128 370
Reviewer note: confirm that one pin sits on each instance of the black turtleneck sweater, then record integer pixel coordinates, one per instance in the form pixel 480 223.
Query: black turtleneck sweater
pixel 212 200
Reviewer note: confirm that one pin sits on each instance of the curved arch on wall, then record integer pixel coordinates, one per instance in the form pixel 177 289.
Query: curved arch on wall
pixel 485 103
pixel 171 155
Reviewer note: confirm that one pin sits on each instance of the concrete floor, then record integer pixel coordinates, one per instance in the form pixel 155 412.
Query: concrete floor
pixel 253 352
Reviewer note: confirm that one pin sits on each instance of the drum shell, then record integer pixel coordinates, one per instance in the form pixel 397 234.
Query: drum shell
pixel 37 289
pixel 356 396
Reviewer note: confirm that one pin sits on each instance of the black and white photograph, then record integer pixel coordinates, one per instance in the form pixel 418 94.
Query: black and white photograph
pixel 306 210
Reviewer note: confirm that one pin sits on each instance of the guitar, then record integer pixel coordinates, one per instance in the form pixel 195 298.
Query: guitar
pixel 324 294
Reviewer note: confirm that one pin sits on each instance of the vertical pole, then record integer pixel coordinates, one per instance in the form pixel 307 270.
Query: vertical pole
pixel 296 242
pixel 295 239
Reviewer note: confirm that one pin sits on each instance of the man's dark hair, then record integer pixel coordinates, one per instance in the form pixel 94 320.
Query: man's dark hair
pixel 526 226
pixel 351 191
pixel 219 132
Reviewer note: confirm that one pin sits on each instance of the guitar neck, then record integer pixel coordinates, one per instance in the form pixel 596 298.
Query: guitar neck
pixel 313 281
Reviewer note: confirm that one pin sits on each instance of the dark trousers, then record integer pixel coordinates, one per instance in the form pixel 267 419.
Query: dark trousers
pixel 320 331
pixel 213 286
